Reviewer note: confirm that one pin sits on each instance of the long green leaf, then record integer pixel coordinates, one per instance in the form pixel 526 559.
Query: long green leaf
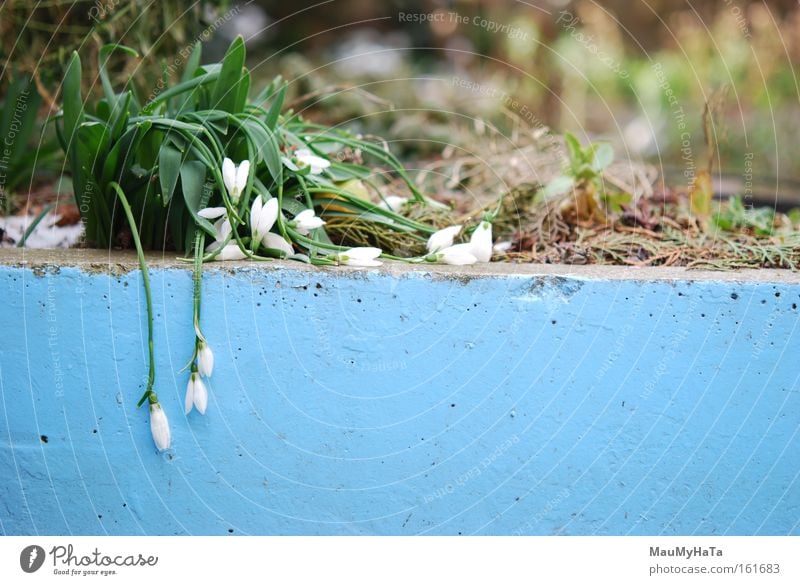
pixel 225 95
pixel 73 104
pixel 169 169
pixel 193 177
pixel 275 108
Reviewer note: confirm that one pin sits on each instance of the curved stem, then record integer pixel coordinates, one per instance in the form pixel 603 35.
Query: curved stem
pixel 371 208
pixel 151 376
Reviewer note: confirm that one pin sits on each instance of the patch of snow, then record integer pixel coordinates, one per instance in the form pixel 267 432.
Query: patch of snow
pixel 46 235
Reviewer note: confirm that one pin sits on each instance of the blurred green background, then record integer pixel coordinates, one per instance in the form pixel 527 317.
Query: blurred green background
pixel 426 74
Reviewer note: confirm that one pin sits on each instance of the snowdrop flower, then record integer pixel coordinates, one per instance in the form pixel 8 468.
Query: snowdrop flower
pixel 458 255
pixel 277 242
pixel 481 242
pixel 196 395
pixel 205 360
pixel 393 203
pixel 306 158
pixel 212 212
pixel 305 221
pixel 235 177
pixel 262 218
pixel 502 247
pixel 231 250
pixel 222 226
pixel 360 257
pixel 443 238
pixel 159 427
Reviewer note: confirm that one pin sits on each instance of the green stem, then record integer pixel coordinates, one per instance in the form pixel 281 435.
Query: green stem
pixel 371 208
pixel 151 376
pixel 199 242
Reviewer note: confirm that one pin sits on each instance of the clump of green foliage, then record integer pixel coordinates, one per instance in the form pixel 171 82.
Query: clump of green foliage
pixel 582 177
pixel 166 155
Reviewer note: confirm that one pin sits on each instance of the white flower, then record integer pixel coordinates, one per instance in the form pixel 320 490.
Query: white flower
pixel 481 242
pixel 277 242
pixel 458 255
pixel 205 360
pixel 262 217
pixel 305 221
pixel 212 212
pixel 443 238
pixel 502 247
pixel 306 158
pixel 230 251
pixel 235 178
pixel 196 394
pixel 393 203
pixel 159 427
pixel 360 257
pixel 223 229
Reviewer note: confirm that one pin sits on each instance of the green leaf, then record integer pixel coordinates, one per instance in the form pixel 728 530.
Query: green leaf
pixel 615 201
pixel 275 108
pixel 557 186
pixel 346 171
pixel 20 109
pixel 292 205
pixel 574 149
pixel 267 148
pixel 187 86
pixel 242 89
pixel 73 104
pixel 118 120
pixel 214 119
pixel 193 63
pixel 193 177
pixel 225 95
pixel 169 168
pixel 122 156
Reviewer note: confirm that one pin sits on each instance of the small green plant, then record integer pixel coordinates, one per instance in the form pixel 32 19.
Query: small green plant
pixel 201 161
pixel 583 177
pixel 735 217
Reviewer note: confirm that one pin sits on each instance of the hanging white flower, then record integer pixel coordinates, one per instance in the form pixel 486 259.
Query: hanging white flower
pixel 262 217
pixel 159 427
pixel 196 394
pixel 308 159
pixel 443 238
pixel 393 203
pixel 364 257
pixel 458 255
pixel 205 360
pixel 481 242
pixel 235 177
pixel 305 221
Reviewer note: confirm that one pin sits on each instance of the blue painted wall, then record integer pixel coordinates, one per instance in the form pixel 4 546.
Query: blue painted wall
pixel 366 403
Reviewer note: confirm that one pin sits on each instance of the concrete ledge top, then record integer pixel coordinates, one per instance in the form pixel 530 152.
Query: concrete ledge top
pixel 99 261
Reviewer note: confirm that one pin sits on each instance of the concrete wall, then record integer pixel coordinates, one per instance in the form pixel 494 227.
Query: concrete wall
pixel 516 400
